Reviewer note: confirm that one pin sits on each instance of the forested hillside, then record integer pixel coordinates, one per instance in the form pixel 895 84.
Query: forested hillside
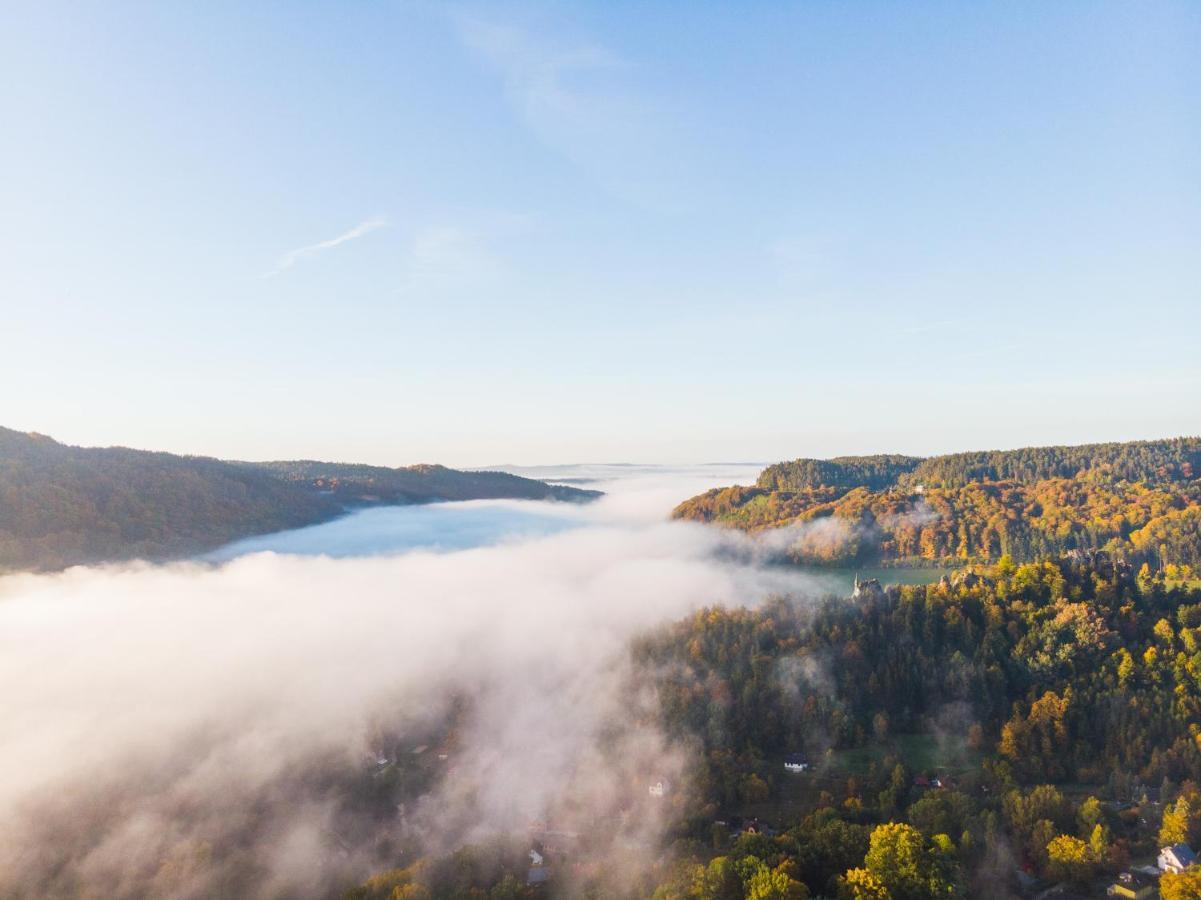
pixel 1019 718
pixel 62 505
pixel 1139 499
pixel 987 736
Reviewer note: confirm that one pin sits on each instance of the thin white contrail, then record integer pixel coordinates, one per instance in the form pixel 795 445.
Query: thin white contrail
pixel 290 258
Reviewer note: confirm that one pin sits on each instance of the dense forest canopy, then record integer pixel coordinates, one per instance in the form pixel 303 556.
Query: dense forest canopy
pixel 843 471
pixel 1140 499
pixel 63 505
pixel 1151 462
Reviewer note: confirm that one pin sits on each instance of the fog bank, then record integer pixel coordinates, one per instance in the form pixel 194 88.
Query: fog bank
pixel 195 729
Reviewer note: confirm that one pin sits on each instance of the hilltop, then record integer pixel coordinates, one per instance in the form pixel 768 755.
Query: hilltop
pixel 1140 499
pixel 62 505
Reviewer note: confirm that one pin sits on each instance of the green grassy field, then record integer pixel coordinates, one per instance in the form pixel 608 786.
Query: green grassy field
pixel 919 752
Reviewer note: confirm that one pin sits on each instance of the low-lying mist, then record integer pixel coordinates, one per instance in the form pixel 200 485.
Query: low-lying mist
pixel 211 729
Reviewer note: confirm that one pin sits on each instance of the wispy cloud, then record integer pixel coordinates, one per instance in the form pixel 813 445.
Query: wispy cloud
pixel 583 100
pixel 536 73
pixel 292 257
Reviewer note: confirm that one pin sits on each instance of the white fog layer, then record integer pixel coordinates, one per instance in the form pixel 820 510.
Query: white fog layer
pixel 186 708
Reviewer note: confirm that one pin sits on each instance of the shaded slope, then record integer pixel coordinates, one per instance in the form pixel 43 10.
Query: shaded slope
pixel 63 505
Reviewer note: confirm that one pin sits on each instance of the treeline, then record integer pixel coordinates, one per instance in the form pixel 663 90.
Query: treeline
pixel 1141 500
pixel 873 472
pixel 62 505
pixel 1153 462
pixel 358 483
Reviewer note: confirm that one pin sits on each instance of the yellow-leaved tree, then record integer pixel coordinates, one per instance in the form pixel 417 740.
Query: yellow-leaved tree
pixel 1070 859
pixel 1177 824
pixel 1185 886
pixel 860 884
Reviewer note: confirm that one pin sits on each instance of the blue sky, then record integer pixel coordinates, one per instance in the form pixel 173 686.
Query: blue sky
pixel 537 233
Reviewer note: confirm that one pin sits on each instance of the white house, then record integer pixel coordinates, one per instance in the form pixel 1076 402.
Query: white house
pixel 535 858
pixel 795 763
pixel 1176 858
pixel 658 789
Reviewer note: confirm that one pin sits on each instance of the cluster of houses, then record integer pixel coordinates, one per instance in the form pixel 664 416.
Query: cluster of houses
pixel 1140 882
